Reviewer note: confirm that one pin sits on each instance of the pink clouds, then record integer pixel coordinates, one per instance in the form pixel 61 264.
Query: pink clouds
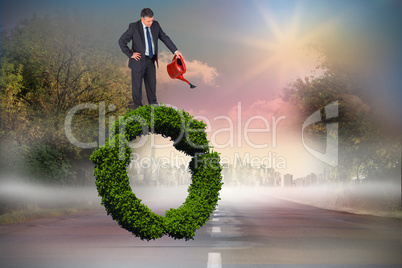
pixel 260 109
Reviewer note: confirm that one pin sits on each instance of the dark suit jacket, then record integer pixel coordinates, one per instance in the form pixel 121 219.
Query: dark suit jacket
pixel 135 34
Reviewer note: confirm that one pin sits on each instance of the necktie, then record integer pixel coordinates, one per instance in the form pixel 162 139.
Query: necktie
pixel 151 53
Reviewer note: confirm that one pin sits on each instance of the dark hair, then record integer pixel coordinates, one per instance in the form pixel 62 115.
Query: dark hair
pixel 147 12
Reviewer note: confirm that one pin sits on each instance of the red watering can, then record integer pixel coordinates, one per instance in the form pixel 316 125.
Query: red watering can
pixel 177 68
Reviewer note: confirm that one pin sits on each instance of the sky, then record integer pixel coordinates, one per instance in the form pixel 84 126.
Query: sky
pixel 241 54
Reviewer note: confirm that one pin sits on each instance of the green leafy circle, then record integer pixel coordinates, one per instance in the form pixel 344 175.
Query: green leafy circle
pixel 112 181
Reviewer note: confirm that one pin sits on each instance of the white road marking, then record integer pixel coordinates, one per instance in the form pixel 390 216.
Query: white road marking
pixel 215 219
pixel 216 229
pixel 217 214
pixel 214 260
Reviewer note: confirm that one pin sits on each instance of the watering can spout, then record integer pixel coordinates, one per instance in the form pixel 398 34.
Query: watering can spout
pixel 177 68
pixel 185 80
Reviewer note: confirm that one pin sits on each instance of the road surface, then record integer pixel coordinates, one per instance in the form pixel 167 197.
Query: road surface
pixel 248 229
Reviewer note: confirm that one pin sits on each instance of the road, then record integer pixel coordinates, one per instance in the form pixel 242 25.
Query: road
pixel 248 229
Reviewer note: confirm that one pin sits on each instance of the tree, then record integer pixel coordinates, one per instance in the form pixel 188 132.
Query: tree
pixel 48 66
pixel 364 146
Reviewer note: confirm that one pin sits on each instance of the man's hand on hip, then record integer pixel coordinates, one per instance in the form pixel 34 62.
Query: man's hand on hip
pixel 136 56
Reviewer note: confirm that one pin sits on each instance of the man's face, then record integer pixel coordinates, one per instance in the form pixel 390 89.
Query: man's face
pixel 147 21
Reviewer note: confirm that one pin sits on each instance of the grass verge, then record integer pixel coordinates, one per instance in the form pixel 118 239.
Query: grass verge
pixel 25 215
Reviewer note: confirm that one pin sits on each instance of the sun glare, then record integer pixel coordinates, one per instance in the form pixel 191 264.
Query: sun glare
pixel 287 51
pixel 285 46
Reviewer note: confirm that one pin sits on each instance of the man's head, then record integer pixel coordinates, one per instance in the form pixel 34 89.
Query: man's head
pixel 147 17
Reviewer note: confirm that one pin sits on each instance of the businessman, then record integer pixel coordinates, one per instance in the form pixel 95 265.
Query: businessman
pixel 144 35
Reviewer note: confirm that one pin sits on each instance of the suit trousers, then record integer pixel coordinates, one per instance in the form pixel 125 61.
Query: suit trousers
pixel 148 73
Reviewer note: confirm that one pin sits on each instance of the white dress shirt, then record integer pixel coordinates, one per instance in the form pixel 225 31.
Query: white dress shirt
pixel 146 40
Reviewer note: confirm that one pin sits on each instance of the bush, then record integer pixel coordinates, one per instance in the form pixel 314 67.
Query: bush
pixel 46 164
pixel 113 184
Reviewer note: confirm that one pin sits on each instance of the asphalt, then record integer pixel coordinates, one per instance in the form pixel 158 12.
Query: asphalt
pixel 248 229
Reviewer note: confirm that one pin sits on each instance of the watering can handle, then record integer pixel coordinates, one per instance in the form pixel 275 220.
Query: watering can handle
pixel 182 61
pixel 175 56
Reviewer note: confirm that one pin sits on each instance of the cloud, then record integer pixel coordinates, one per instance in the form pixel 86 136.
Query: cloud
pixel 254 115
pixel 197 71
pixel 258 108
pixel 271 110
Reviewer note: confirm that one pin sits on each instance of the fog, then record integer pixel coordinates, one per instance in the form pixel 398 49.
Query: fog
pixel 20 191
pixel 381 199
pixel 159 176
pixel 356 198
